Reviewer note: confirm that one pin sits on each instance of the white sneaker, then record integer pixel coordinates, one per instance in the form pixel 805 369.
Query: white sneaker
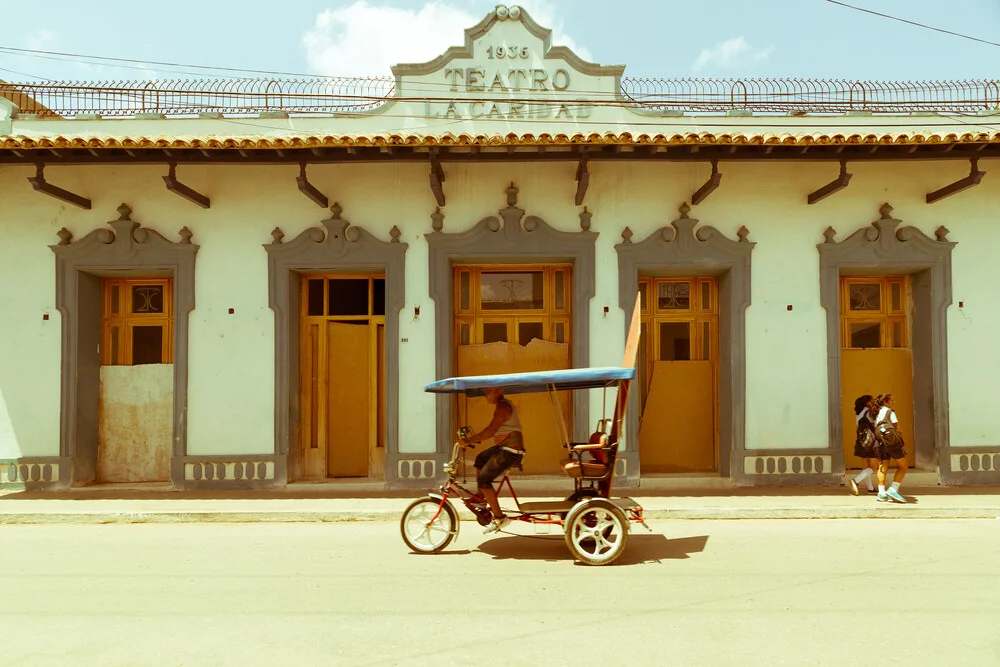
pixel 496 525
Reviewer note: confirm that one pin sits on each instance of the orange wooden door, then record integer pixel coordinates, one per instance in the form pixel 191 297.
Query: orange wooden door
pixel 349 399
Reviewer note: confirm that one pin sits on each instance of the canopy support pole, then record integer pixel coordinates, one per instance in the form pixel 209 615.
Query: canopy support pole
pixel 563 431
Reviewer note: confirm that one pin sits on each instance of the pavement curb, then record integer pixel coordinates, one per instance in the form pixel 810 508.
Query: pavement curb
pixel 343 516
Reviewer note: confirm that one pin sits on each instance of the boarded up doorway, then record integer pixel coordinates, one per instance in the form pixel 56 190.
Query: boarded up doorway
pixel 343 376
pixel 875 356
pixel 678 427
pixel 512 319
pixel 135 429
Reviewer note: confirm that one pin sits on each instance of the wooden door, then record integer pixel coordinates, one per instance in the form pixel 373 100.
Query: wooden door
pixel 342 379
pixel 678 429
pixel 877 371
pixel 349 399
pixel 511 319
pixel 875 355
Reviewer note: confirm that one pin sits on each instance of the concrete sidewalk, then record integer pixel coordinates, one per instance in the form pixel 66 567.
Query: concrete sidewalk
pixel 101 506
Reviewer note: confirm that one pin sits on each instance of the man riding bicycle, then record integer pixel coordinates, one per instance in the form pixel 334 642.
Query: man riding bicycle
pixel 507 450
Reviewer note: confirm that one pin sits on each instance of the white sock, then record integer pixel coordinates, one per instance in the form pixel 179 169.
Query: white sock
pixel 863 475
pixel 894 486
pixel 881 489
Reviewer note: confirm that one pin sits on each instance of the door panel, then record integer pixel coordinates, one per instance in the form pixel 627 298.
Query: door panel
pixel 313 389
pixel 542 438
pixel 677 431
pixel 349 402
pixel 876 371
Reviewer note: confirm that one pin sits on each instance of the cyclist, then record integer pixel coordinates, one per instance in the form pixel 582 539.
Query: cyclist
pixel 508 448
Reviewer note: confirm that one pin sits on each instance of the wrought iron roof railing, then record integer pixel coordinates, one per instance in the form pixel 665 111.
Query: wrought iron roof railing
pixel 813 95
pixel 326 95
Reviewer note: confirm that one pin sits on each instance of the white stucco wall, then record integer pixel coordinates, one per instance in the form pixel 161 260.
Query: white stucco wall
pixel 232 356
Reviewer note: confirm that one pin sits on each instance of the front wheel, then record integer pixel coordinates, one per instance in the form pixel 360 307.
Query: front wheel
pixel 596 532
pixel 428 525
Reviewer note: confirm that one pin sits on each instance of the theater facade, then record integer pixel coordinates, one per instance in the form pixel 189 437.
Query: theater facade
pixel 250 285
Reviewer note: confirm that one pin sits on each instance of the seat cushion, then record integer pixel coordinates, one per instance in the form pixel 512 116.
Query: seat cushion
pixel 586 469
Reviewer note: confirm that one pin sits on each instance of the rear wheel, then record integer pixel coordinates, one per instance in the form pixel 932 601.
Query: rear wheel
pixel 428 525
pixel 596 532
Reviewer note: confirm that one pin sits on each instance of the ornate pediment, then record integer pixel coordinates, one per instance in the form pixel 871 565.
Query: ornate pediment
pixel 506 70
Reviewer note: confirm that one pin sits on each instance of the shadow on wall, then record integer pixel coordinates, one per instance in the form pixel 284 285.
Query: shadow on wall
pixel 9 447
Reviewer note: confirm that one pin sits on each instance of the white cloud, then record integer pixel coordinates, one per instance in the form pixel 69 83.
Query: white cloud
pixel 363 39
pixel 731 53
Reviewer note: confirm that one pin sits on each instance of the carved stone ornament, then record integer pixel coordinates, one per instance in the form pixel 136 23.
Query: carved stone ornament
pixel 885 234
pixel 437 219
pixel 585 218
pixel 127 237
pixel 685 236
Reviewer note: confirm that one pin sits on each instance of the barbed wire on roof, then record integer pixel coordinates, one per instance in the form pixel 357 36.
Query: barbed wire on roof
pixel 251 96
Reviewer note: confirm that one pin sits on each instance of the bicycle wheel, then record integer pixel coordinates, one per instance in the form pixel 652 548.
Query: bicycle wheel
pixel 596 532
pixel 425 533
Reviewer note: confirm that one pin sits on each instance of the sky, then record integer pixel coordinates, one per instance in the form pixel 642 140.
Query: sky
pixel 661 38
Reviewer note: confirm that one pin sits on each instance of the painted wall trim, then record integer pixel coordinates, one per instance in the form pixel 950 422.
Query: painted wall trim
pixel 681 250
pixel 885 248
pixel 125 249
pixel 336 247
pixel 513 238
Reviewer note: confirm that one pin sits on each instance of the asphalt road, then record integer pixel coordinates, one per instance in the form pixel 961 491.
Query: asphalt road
pixel 779 592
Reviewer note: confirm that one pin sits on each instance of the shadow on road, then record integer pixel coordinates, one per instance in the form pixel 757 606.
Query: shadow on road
pixel 640 549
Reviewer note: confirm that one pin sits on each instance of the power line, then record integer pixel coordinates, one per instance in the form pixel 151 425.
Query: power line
pixel 919 25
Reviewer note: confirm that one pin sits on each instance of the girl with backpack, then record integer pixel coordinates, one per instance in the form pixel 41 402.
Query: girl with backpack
pixel 864 441
pixel 889 445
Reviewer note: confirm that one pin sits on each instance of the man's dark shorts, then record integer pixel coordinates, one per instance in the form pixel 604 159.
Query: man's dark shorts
pixel 492 462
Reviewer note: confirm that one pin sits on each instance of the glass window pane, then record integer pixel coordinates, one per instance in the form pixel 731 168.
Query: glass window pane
pixel 897 334
pixel 115 299
pixel 378 296
pixel 348 296
pixel 114 346
pixel 896 298
pixel 526 331
pixel 866 296
pixel 706 341
pixel 494 332
pixel 147 345
pixel 674 296
pixel 675 341
pixel 315 307
pixel 643 299
pixel 560 332
pixel 560 290
pixel 512 291
pixel 706 295
pixel 147 299
pixel 465 334
pixel 464 290
pixel 866 334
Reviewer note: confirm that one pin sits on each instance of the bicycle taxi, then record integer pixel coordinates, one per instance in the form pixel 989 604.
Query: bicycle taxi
pixel 596 526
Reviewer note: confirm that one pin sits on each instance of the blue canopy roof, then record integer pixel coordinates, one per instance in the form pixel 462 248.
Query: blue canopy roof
pixel 524 383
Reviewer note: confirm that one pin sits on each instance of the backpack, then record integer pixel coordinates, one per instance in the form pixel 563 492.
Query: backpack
pixel 886 432
pixel 865 438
